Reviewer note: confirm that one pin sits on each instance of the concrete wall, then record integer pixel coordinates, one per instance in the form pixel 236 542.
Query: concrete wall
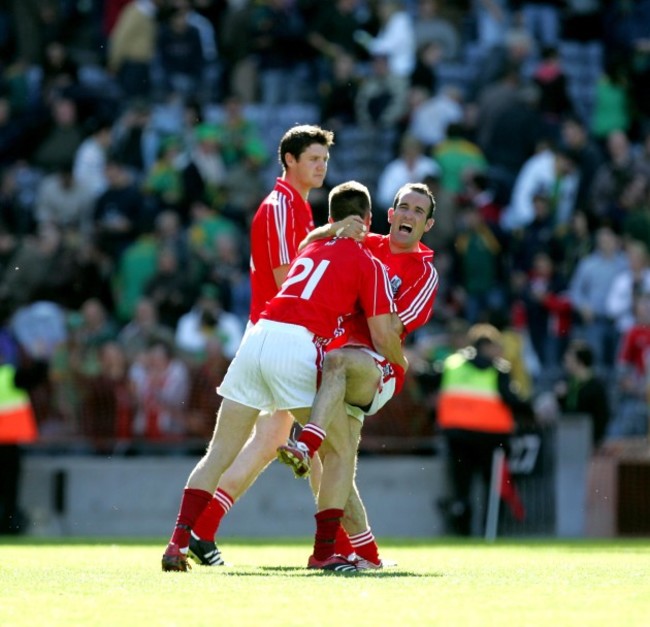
pixel 91 496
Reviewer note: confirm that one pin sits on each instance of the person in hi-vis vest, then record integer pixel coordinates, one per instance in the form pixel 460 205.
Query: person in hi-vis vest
pixel 17 427
pixel 476 410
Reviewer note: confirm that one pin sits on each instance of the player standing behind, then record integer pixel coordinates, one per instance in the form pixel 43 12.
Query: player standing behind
pixel 280 224
pixel 359 377
pixel 276 366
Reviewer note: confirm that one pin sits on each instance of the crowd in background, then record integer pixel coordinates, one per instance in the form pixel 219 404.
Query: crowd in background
pixel 134 150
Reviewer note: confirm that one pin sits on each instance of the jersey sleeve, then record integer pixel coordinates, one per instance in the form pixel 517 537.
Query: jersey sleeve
pixel 282 239
pixel 415 301
pixel 376 295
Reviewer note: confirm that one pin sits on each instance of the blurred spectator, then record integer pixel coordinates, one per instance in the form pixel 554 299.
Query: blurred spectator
pixel 514 133
pixel 162 383
pixel 331 33
pixel 135 141
pixel 430 118
pixel 61 140
pixel 492 20
pixel 132 46
pixel 203 403
pixel 457 158
pixel 171 288
pixel 588 154
pixel 424 78
pixel 36 24
pixel 89 168
pixel 589 287
pixel 135 268
pixel 163 183
pixel 551 79
pixel 117 211
pixel 516 53
pixel 536 237
pixel 239 138
pixel 18 188
pixel 551 172
pixel 230 272
pixel 64 202
pixel 611 109
pixel 479 284
pixel 279 42
pixel 628 286
pixel 381 100
pixel 38 260
pixel 206 226
pixel 12 133
pixel 205 174
pixel 432 27
pixel 338 95
pixel 238 68
pixel 108 400
pixel 60 72
pixel 143 329
pixel 620 168
pixel 179 54
pixel 583 392
pixel 395 40
pixel 410 165
pixel 478 378
pixel 631 410
pixel 210 88
pixel 208 319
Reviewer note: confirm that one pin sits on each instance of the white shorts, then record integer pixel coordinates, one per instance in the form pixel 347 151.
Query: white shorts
pixel 385 389
pixel 276 367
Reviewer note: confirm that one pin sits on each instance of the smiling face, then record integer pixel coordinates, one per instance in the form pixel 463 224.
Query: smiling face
pixel 409 220
pixel 308 170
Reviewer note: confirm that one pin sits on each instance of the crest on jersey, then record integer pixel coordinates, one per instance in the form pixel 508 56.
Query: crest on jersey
pixel 395 284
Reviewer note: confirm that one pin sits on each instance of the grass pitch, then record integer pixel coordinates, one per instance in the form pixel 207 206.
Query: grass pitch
pixel 436 583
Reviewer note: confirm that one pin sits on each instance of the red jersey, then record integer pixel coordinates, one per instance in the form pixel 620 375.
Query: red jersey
pixel 281 222
pixel 414 283
pixel 635 350
pixel 328 282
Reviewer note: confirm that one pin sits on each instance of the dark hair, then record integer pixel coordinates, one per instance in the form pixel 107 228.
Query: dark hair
pixel 349 199
pixel 582 352
pixel 297 139
pixel 418 188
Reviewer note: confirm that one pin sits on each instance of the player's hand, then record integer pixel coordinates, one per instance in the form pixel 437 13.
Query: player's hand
pixel 352 226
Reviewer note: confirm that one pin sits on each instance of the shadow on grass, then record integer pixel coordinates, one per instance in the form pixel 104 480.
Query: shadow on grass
pixel 298 571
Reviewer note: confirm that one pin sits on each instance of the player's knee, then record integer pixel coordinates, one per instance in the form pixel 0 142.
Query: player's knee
pixel 335 361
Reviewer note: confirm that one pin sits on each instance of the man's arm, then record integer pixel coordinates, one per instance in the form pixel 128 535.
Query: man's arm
pixel 280 274
pixel 352 226
pixel 386 340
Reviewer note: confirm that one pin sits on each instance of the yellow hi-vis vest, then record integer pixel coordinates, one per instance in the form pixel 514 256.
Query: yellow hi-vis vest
pixel 17 422
pixel 469 398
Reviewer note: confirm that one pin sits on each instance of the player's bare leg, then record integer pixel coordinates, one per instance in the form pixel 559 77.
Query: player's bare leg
pixel 233 427
pixel 259 451
pixel 349 375
pixel 270 432
pixel 338 454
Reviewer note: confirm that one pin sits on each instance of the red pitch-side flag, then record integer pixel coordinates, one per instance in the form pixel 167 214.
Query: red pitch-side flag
pixel 509 493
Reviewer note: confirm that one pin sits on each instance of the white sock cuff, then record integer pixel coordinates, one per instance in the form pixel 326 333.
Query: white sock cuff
pixel 225 500
pixel 359 539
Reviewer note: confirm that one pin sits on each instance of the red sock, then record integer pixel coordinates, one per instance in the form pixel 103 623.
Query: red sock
pixel 365 546
pixel 342 545
pixel 192 504
pixel 327 524
pixel 206 527
pixel 312 436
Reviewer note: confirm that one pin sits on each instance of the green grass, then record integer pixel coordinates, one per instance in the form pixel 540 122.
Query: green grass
pixel 442 582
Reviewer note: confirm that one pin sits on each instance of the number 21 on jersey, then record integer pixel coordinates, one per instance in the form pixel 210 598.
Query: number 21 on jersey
pixel 307 272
